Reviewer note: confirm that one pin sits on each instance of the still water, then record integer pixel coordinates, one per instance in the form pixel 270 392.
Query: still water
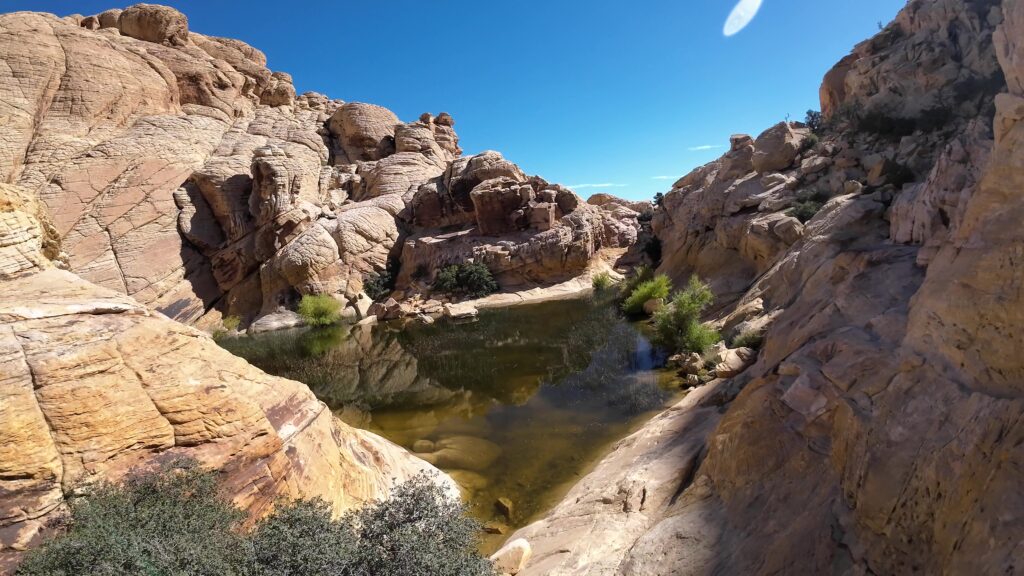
pixel 515 406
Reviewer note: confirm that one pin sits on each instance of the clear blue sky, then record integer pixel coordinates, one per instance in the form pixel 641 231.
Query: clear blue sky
pixel 578 91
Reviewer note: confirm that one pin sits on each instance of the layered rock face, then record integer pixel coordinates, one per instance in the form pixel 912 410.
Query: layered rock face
pixel 180 171
pixel 93 385
pixel 877 432
pixel 525 230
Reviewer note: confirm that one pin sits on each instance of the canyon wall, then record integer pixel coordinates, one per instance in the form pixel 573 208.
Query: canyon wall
pixel 879 430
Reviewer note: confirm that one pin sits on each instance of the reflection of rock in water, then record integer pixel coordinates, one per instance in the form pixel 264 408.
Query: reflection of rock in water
pixel 347 367
pixel 516 350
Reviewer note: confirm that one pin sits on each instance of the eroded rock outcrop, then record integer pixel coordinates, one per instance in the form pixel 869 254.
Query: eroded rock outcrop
pixel 877 431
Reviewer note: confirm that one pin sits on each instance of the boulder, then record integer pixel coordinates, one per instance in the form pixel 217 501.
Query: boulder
pixel 732 362
pixel 365 132
pixel 653 305
pixel 154 23
pixel 463 452
pixel 512 557
pixel 776 148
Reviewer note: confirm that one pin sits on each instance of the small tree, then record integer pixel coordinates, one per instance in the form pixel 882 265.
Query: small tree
pixel 319 309
pixel 814 121
pixel 659 199
pixel 678 325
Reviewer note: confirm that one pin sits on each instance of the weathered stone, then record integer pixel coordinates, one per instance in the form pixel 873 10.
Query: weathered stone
pixel 776 148
pixel 154 23
pixel 512 557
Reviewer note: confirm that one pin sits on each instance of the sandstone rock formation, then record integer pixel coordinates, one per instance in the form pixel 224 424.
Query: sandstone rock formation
pixel 93 384
pixel 180 171
pixel 877 431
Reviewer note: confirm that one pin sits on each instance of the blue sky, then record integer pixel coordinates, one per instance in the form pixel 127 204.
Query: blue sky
pixel 607 96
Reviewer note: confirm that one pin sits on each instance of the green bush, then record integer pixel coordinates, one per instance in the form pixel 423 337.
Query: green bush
pixel 602 281
pixel 319 309
pixel 814 121
pixel 640 274
pixel 231 323
pixel 175 522
pixel 752 340
pixel 377 286
pixel 805 210
pixel 677 325
pixel 469 279
pixel 809 143
pixel 169 522
pixel 657 287
pixel 419 530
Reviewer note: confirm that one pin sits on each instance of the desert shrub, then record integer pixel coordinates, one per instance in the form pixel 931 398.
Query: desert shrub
pixel 470 279
pixel 652 248
pixel 377 286
pixel 231 323
pixel 677 325
pixel 319 309
pixel 640 274
pixel 175 521
pixel 602 281
pixel 805 210
pixel 659 199
pixel 809 143
pixel 814 121
pixel 419 530
pixel 846 116
pixel 302 538
pixel 752 340
pixel 885 124
pixel 172 521
pixel 808 203
pixel 657 287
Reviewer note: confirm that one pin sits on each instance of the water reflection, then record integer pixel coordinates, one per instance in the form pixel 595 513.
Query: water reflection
pixel 514 406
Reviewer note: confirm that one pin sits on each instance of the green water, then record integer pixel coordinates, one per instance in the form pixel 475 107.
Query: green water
pixel 515 405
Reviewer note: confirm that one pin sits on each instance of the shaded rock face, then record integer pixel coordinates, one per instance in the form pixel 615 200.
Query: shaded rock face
pixel 877 430
pixel 193 179
pixel 93 385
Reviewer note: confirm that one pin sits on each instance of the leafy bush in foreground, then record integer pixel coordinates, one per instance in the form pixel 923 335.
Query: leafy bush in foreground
pixel 678 324
pixel 469 279
pixel 657 287
pixel 175 522
pixel 319 309
pixel 169 522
